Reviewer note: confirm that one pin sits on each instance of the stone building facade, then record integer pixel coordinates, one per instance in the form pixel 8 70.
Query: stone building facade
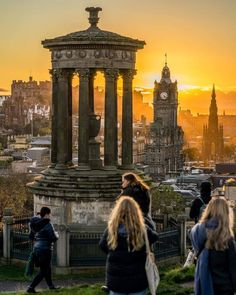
pixel 32 91
pixel 164 150
pixel 213 139
pixel 25 95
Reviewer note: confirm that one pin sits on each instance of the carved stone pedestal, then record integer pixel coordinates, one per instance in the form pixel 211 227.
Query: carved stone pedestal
pixel 94 154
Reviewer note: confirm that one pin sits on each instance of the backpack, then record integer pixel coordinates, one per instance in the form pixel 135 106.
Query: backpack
pixel 202 208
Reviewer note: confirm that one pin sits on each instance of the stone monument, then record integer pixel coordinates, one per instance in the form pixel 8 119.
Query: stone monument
pixel 83 194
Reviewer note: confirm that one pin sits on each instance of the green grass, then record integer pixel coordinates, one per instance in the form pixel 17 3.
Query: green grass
pixel 170 284
pixel 12 273
pixel 171 279
pixel 180 275
pixel 16 273
pixel 77 290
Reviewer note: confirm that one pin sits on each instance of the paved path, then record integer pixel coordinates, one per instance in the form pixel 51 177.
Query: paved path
pixel 21 286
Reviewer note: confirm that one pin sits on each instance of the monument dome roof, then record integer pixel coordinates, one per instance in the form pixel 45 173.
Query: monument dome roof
pixel 93 36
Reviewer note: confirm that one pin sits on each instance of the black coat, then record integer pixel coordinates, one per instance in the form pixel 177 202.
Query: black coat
pixel 140 195
pixel 126 270
pixel 42 233
pixel 196 205
pixel 223 269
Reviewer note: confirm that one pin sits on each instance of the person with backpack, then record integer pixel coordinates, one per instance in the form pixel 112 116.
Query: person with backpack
pixel 213 242
pixel 43 236
pixel 200 202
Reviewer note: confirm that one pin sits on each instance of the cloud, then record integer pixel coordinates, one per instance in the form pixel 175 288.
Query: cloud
pixel 3 90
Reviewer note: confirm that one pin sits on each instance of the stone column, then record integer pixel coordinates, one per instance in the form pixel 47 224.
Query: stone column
pixel 110 134
pixel 182 221
pixel 127 119
pixel 7 222
pixel 54 114
pixel 62 246
pixel 64 97
pixel 69 159
pixel 83 155
pixel 91 91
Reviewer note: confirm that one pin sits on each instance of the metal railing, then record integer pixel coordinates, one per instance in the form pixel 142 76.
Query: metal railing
pixel 83 246
pixel 1 239
pixel 21 246
pixel 168 244
pixel 84 250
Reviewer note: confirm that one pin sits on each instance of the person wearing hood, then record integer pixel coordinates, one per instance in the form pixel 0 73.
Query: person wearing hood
pixel 134 187
pixel 201 201
pixel 43 236
pixel 214 245
pixel 124 243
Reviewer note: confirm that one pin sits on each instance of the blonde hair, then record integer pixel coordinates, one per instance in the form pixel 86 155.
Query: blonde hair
pixel 135 179
pixel 219 209
pixel 128 213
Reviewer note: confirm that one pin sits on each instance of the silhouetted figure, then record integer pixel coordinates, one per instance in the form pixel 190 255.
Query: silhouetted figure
pixel 200 202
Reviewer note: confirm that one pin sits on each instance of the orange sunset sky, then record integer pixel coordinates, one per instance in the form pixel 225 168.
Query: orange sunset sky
pixel 199 37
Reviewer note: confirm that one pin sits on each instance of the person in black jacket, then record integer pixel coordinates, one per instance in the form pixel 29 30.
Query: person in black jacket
pixel 134 187
pixel 213 237
pixel 43 236
pixel 124 243
pixel 201 201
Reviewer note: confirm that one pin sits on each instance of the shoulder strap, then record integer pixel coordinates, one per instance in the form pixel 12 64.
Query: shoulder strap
pixel 201 200
pixel 148 250
pixel 200 250
pixel 36 234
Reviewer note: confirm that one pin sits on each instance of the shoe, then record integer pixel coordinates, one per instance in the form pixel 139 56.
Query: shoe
pixel 54 288
pixel 30 290
pixel 105 289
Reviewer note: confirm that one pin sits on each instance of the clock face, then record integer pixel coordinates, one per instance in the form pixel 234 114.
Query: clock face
pixel 163 95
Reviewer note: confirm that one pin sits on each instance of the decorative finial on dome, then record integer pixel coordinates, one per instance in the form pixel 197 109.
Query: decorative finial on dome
pixel 93 15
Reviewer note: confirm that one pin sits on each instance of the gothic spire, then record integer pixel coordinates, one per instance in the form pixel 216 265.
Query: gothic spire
pixel 213 115
pixel 213 95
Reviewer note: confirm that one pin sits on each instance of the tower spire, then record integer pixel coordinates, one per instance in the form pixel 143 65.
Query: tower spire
pixel 165 59
pixel 213 95
pixel 213 114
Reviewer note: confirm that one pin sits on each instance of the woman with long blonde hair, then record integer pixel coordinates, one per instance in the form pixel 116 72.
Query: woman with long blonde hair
pixel 124 242
pixel 213 241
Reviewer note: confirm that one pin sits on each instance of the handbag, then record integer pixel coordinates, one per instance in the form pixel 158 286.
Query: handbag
pixel 190 258
pixel 152 272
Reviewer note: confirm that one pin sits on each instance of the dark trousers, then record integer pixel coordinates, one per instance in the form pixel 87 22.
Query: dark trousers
pixel 43 259
pixel 223 290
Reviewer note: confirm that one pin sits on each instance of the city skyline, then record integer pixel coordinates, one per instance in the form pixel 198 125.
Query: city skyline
pixel 199 38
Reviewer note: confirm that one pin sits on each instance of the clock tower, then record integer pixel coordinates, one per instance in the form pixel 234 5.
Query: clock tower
pixel 164 150
pixel 165 99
